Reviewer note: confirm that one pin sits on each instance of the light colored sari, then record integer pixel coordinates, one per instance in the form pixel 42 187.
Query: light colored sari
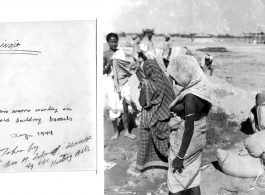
pixel 188 74
pixel 117 82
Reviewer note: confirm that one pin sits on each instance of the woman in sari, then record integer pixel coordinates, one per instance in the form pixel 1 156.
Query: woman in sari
pixel 188 136
pixel 155 96
pixel 257 113
pixel 118 88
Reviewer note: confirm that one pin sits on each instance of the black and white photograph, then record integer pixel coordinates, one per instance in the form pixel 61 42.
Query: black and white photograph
pixel 184 97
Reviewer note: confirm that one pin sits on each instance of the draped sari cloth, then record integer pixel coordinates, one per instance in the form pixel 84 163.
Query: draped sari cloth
pixel 187 73
pixel 158 93
pixel 117 82
pixel 175 51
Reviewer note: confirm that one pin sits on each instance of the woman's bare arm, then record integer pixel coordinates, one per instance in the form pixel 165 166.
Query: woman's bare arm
pixel 190 109
pixel 105 66
pixel 142 97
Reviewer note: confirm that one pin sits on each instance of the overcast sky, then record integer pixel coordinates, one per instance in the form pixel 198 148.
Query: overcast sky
pixel 184 16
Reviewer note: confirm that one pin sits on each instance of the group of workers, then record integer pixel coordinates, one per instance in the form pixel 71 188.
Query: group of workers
pixel 173 125
pixel 205 63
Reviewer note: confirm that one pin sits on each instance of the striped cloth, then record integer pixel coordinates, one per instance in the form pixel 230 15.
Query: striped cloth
pixel 155 117
pixel 121 71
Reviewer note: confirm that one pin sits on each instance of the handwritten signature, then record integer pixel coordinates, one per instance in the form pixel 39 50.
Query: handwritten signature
pixel 33 156
pixel 43 154
pixel 72 144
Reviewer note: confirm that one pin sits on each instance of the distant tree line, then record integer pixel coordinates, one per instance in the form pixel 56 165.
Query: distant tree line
pixel 185 35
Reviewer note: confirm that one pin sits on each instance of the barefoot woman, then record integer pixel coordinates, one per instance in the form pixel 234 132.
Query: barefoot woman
pixel 119 94
pixel 155 96
pixel 188 137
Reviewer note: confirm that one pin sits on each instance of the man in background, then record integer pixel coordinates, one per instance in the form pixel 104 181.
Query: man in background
pixel 167 48
pixel 206 63
pixel 150 44
pixel 136 45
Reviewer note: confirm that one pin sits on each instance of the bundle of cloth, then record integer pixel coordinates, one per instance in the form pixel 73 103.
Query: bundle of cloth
pixel 239 165
pixel 249 163
pixel 255 145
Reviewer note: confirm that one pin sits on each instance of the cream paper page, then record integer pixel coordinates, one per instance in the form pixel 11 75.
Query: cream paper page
pixel 48 96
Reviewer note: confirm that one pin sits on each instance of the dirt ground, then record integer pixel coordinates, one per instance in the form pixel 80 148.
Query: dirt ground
pixel 238 76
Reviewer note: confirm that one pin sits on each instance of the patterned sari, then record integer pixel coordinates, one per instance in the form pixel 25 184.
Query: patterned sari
pixel 154 135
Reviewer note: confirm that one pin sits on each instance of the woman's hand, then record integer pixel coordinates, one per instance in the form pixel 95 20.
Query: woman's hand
pixel 140 85
pixel 178 164
pixel 110 62
pixel 134 65
pixel 117 89
pixel 172 114
pixel 120 95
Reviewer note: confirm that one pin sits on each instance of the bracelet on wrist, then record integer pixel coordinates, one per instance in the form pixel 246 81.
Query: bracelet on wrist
pixel 180 158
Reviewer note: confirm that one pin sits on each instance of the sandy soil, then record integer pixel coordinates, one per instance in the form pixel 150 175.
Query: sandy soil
pixel 238 76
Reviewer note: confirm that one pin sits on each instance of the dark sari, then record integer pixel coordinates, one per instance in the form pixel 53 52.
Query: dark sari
pixel 158 94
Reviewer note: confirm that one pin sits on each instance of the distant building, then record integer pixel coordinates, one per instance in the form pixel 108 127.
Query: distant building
pixel 255 35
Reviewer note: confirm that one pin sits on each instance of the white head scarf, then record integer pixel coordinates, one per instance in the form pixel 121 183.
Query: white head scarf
pixel 177 51
pixel 187 73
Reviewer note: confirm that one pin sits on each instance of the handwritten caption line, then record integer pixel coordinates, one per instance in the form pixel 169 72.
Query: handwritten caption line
pixel 33 158
pixel 38 120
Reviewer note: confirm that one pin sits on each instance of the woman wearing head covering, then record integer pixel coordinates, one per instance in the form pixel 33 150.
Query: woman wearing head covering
pixel 257 113
pixel 175 51
pixel 118 88
pixel 188 136
pixel 155 96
